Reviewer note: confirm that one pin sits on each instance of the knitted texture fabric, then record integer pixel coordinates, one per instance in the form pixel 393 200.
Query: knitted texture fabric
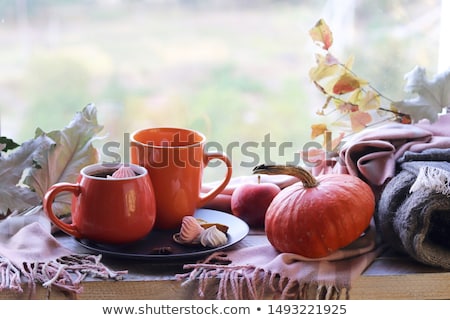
pixel 261 272
pixel 413 214
pixel 29 254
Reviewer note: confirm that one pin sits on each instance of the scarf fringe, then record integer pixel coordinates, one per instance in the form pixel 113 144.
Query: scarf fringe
pixel 432 179
pixel 65 273
pixel 9 276
pixel 248 282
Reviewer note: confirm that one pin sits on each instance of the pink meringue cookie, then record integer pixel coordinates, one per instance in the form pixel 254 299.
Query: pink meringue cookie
pixel 190 229
pixel 123 172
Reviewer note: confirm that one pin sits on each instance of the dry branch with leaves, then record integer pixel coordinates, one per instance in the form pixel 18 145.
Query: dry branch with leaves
pixel 358 104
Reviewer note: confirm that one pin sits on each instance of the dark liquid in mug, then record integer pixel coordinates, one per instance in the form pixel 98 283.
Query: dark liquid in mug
pixel 105 173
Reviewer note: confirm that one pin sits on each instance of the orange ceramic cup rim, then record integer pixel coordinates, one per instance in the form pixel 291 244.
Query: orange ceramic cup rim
pixel 89 171
pixel 199 137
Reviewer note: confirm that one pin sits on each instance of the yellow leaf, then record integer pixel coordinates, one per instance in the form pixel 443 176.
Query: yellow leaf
pixel 343 124
pixel 323 69
pixel 349 64
pixel 317 130
pixel 321 34
pixel 369 101
pixel 366 100
pixel 356 96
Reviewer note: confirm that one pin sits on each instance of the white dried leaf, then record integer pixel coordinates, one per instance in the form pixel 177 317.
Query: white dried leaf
pixel 58 156
pixel 13 194
pixel 432 95
pixel 71 151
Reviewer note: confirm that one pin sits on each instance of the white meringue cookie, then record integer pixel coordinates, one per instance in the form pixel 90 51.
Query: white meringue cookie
pixel 213 237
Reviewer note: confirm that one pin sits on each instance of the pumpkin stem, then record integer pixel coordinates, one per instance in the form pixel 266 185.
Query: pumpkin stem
pixel 304 175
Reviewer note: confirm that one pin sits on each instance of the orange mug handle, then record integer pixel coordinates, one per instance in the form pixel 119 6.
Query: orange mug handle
pixel 204 199
pixel 50 196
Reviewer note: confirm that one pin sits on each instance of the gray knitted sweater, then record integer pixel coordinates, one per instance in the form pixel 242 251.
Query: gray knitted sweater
pixel 413 212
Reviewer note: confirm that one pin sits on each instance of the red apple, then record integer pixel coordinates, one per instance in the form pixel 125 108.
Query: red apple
pixel 250 201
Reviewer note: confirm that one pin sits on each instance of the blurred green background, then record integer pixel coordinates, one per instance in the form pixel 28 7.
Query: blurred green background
pixel 235 70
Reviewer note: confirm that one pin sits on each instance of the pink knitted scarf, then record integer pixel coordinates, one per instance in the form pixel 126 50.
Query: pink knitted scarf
pixel 261 272
pixel 30 254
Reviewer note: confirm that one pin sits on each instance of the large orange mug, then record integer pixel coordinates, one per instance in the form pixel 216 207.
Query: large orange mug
pixel 117 210
pixel 175 159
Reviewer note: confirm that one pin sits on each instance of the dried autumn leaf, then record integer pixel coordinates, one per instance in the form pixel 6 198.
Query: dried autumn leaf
pixel 349 64
pixel 371 101
pixel 318 129
pixel 321 34
pixel 357 96
pixel 366 100
pixel 342 123
pixel 346 83
pixel 347 107
pixel 13 194
pixel 359 120
pixel 71 150
pixel 353 97
pixel 323 69
pixel 432 95
pixel 404 118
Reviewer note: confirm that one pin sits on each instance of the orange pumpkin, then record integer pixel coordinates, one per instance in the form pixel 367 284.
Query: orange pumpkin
pixel 317 216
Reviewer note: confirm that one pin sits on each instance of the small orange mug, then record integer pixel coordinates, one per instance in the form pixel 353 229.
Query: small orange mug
pixel 175 159
pixel 118 210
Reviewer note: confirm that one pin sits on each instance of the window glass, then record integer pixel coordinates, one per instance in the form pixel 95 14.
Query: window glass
pixel 235 70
